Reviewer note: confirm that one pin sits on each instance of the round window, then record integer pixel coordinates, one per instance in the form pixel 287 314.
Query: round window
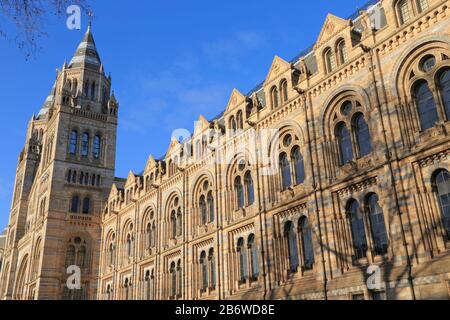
pixel 242 165
pixel 346 108
pixel 428 63
pixel 287 140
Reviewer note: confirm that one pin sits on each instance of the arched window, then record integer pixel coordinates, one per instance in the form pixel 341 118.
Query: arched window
pixel 204 144
pixel 233 125
pixel 81 257
pixel 299 166
pixel 85 145
pixel 330 60
pixel 149 235
pixel 170 168
pixel 240 120
pixel 173 222
pixel 442 190
pixel 173 282
pixel 211 207
pixel 284 91
pixel 239 193
pixel 86 88
pixel 74 204
pixel 43 205
pixel 274 97
pixel 111 254
pixel 129 245
pixel 444 86
pixel 97 147
pixel 153 237
pixel 362 134
pixel 291 241
pixel 152 284
pixel 358 231
pixel 203 210
pixel 253 252
pixel 377 225
pixel 108 292
pixel 176 163
pixel 212 269
pixel 70 256
pixel 126 287
pixel 307 243
pixel 148 286
pixel 422 5
pixel 36 259
pixel 342 51
pixel 243 263
pixel 204 271
pixel 249 188
pixel 174 218
pixel 198 149
pixel 404 11
pixel 179 222
pixel 180 279
pixel 86 206
pixel 285 167
pixel 93 91
pixel 345 143
pixel 20 288
pixel 426 105
pixel 73 142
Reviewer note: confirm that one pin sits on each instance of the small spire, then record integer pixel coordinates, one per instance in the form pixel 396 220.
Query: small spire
pixel 86 54
pixel 90 15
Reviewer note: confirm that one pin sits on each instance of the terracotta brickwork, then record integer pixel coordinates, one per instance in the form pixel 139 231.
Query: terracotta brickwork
pixel 336 165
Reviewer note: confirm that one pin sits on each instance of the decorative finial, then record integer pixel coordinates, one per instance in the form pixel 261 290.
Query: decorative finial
pixel 90 15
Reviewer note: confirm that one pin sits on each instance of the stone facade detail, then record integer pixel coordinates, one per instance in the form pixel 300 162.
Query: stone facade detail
pixel 337 162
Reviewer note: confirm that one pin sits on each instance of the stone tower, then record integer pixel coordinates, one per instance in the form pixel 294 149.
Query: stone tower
pixel 64 175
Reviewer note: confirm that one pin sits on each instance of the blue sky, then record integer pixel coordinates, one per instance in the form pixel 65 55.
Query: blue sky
pixel 170 62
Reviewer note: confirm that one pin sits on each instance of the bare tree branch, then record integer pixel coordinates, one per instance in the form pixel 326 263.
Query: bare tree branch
pixel 22 22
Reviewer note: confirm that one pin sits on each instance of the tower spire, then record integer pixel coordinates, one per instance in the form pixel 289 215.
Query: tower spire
pixel 86 55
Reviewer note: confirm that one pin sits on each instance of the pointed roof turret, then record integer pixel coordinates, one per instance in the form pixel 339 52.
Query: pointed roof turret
pixel 86 54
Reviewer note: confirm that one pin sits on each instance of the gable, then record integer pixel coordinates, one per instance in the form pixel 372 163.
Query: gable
pixel 331 27
pixel 201 125
pixel 131 179
pixel 151 163
pixel 236 99
pixel 113 192
pixel 278 67
pixel 174 146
